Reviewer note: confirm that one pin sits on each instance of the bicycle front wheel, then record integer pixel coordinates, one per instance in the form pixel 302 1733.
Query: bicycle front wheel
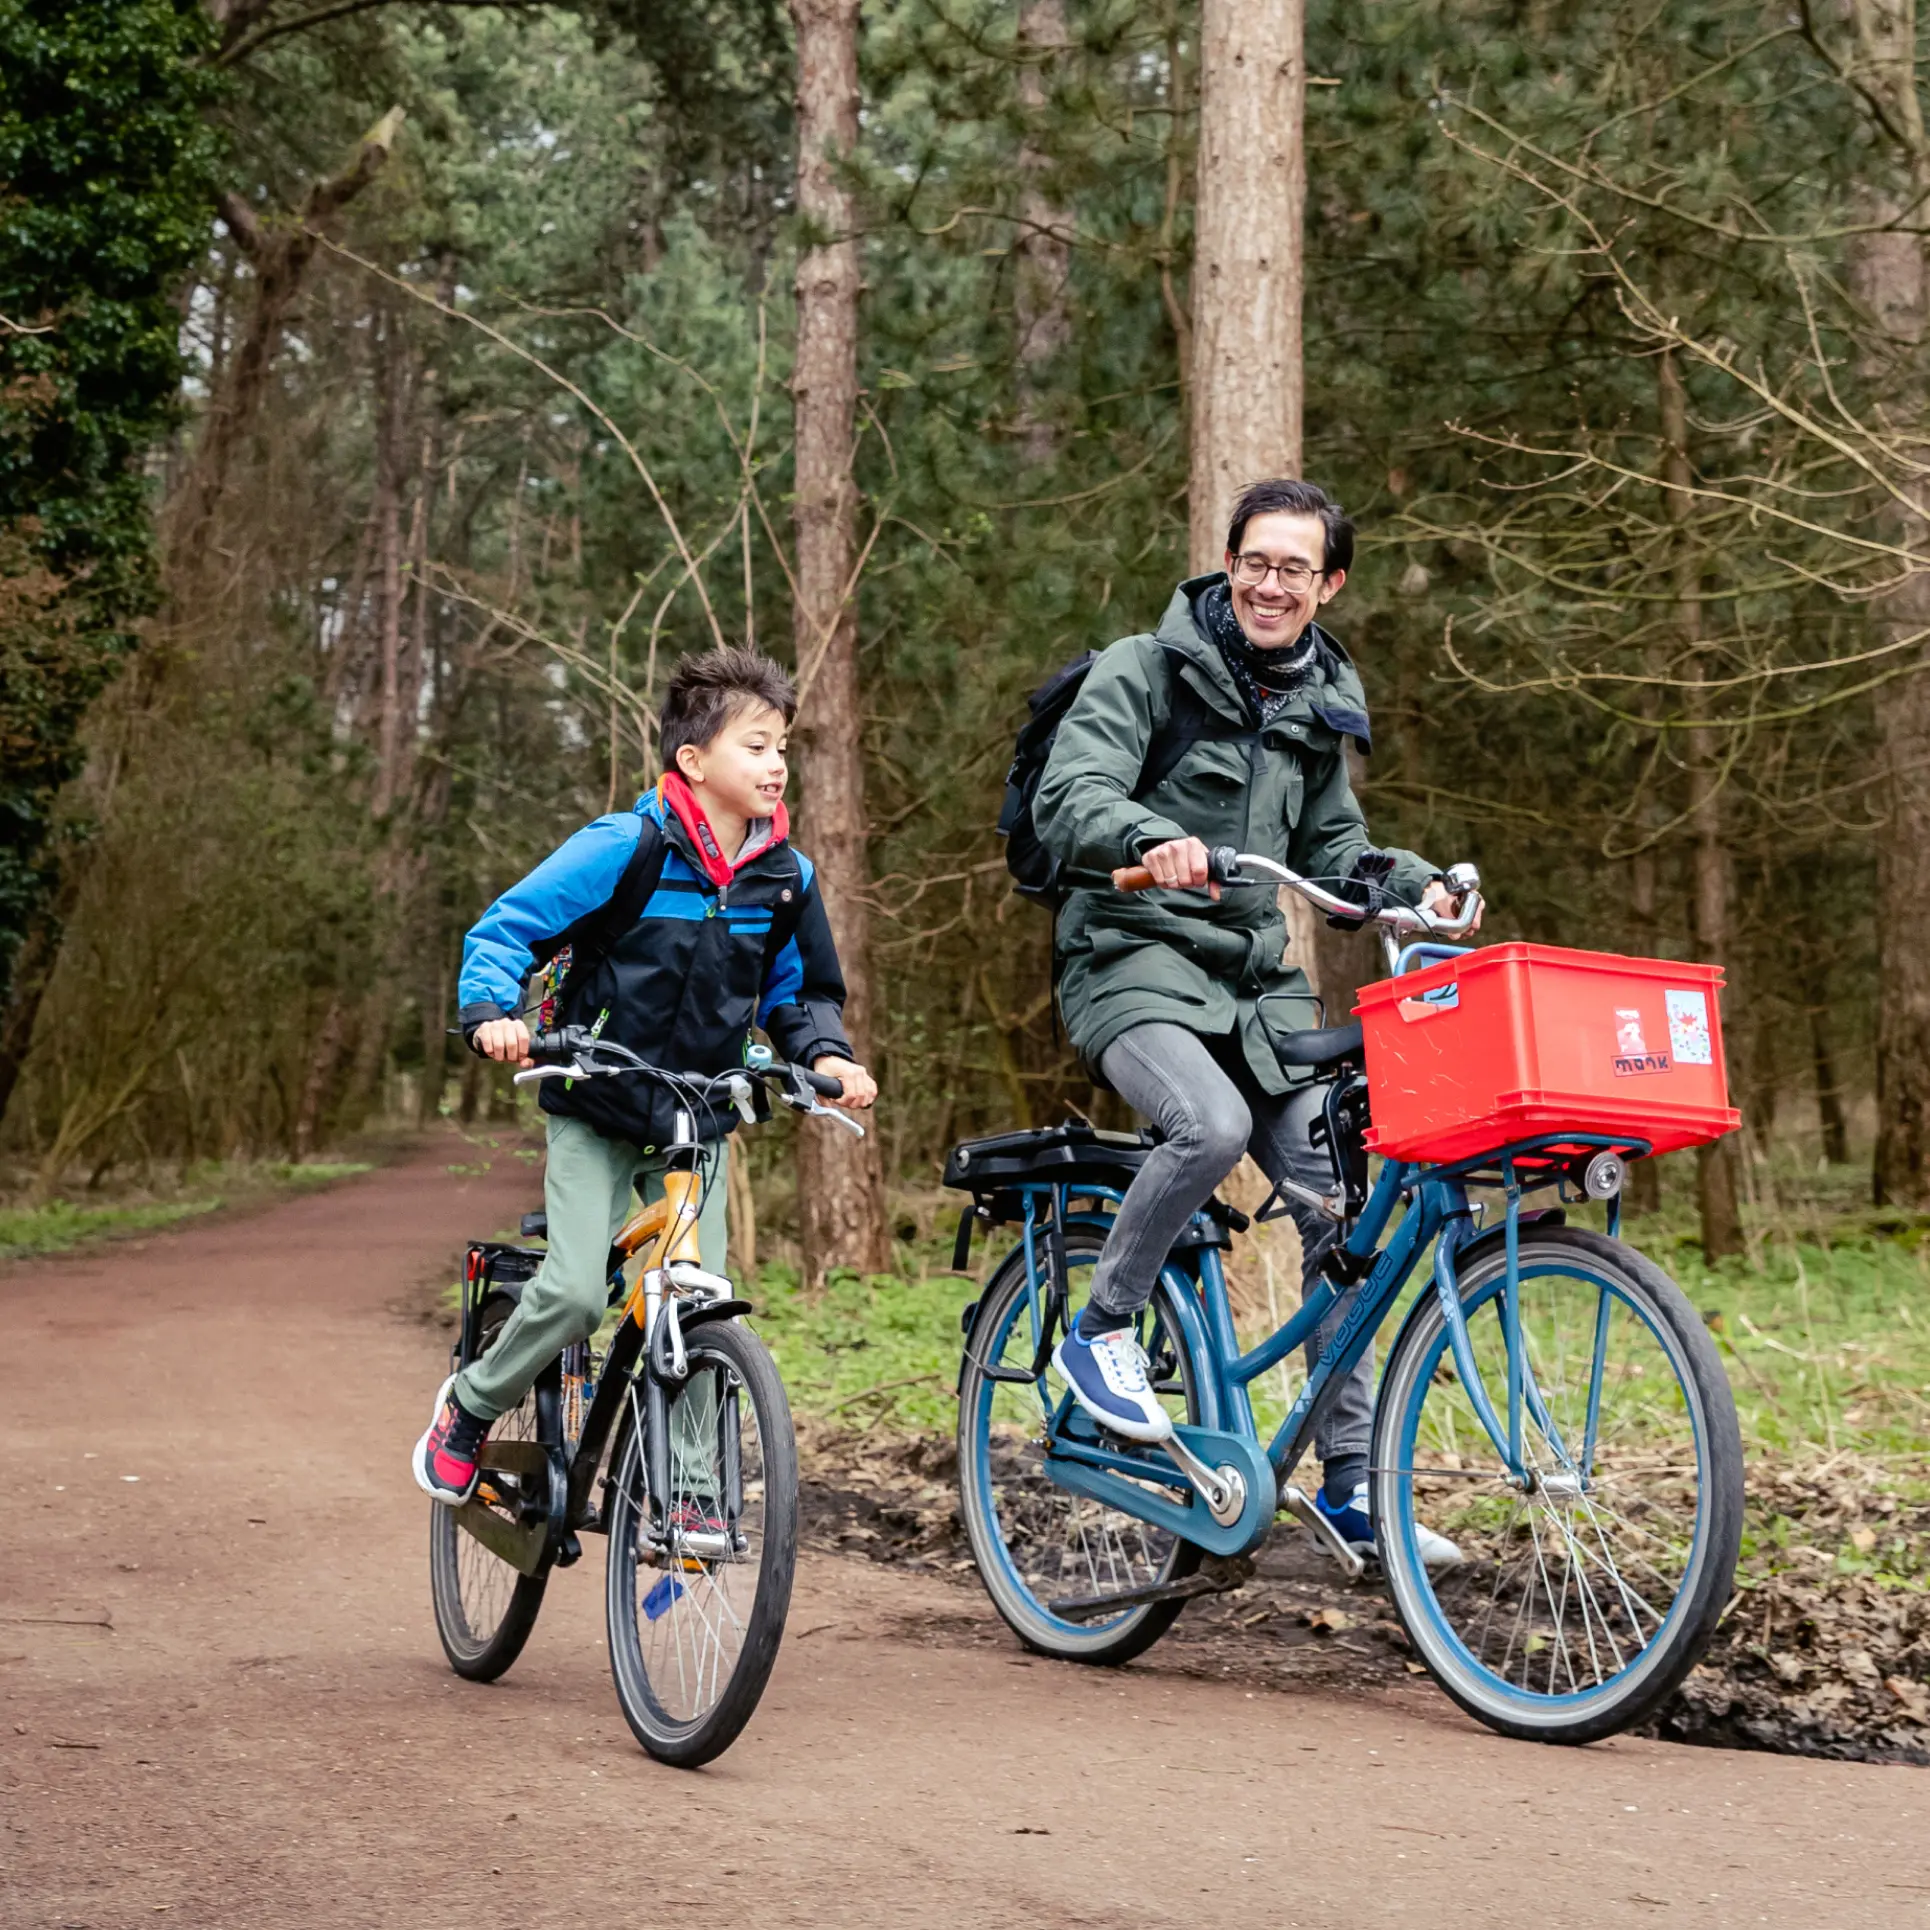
pixel 699 1578
pixel 1582 1600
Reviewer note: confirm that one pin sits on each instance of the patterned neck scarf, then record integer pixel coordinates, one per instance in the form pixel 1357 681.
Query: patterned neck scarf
pixel 1267 678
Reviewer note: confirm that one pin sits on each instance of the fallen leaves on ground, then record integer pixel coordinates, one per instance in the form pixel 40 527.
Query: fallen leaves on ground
pixel 1824 1650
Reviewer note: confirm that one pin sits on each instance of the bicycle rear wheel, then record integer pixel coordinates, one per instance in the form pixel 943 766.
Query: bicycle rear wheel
pixel 699 1581
pixel 1034 1542
pixel 1582 1602
pixel 485 1609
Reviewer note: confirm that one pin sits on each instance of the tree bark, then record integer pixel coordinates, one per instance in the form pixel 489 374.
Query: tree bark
pixel 841 1195
pixel 1248 273
pixel 1716 1187
pixel 1042 313
pixel 1244 390
pixel 1887 278
pixel 279 250
pixel 1830 1118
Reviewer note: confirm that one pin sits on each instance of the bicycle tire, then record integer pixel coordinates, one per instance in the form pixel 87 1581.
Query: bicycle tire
pixel 1028 1616
pixel 691 1740
pixel 1563 1525
pixel 459 1564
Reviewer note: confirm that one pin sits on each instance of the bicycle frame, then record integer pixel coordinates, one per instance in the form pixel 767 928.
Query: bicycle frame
pixel 666 1234
pixel 1439 1214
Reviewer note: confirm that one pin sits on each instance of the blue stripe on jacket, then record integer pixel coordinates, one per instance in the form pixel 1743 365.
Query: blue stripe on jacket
pixel 576 878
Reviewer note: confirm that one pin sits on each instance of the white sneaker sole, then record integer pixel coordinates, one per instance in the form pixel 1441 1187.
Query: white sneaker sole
pixel 1146 1432
pixel 419 1460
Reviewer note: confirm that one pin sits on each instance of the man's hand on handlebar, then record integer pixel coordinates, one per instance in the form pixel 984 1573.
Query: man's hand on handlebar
pixel 860 1088
pixel 1181 865
pixel 504 1039
pixel 1438 898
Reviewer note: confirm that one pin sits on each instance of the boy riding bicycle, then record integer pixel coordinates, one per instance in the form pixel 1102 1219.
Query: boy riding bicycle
pixel 732 933
pixel 1163 994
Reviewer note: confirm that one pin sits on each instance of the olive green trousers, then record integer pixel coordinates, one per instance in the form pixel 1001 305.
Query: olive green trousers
pixel 588 1185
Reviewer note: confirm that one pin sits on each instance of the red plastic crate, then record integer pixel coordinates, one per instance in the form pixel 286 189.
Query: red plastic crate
pixel 1519 1040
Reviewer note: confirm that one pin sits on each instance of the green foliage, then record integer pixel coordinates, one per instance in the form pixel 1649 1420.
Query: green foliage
pixel 59 1225
pixel 27 1231
pixel 104 189
pixel 608 187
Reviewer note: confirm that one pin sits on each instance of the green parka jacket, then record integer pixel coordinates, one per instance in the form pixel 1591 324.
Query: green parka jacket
pixel 1175 956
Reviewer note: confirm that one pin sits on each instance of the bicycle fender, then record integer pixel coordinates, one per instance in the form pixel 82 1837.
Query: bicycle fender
pixel 691 1318
pixel 1083 1471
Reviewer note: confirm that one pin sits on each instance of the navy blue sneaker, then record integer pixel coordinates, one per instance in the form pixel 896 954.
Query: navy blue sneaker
pixel 1355 1526
pixel 1108 1378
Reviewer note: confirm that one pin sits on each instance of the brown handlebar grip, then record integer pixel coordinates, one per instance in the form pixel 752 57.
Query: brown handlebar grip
pixel 1133 877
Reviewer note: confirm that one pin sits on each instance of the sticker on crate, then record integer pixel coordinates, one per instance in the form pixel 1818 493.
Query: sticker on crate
pixel 1632 1052
pixel 1689 1028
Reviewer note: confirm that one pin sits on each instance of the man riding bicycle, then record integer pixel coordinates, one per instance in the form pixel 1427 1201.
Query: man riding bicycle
pixel 1173 995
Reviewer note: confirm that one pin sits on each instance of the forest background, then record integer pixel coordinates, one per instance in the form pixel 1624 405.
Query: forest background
pixel 488 336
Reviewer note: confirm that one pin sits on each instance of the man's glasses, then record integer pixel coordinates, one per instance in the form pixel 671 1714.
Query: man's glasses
pixel 1253 569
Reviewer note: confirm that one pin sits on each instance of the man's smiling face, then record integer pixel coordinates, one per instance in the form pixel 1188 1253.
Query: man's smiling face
pixel 1272 613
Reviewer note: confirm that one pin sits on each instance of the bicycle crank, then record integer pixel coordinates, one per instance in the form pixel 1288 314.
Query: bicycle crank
pixel 1221 1488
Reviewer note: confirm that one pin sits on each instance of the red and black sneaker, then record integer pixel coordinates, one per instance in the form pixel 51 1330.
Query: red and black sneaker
pixel 445 1457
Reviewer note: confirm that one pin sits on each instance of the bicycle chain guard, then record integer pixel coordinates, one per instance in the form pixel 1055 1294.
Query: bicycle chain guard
pixel 1083 1462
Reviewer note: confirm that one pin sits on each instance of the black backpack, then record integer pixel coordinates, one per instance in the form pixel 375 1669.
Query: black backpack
pixel 1036 873
pixel 566 961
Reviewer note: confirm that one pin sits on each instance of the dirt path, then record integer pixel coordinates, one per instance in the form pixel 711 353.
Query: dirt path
pixel 222 1703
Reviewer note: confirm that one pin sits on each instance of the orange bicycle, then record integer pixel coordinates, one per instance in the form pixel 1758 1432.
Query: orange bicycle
pixel 685 1416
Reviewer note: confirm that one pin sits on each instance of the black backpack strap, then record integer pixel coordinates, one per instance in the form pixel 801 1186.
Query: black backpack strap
pixel 634 889
pixel 594 936
pixel 784 916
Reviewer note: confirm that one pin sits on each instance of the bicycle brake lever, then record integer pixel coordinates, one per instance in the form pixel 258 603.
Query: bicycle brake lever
pixel 844 1119
pixel 529 1078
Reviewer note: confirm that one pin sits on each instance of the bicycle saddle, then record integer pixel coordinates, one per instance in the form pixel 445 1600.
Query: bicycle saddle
pixel 1319 1047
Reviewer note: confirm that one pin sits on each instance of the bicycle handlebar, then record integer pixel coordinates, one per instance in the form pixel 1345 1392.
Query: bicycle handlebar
pixel 1226 866
pixel 569 1043
pixel 575 1052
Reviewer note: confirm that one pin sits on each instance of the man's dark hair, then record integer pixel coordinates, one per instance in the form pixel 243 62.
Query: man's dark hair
pixel 707 691
pixel 1297 499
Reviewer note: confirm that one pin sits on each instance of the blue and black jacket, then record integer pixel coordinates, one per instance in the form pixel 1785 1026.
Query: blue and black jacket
pixel 686 983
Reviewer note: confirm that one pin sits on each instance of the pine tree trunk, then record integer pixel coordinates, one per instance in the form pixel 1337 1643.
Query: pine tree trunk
pixel 1245 387
pixel 1248 269
pixel 841 1201
pixel 1887 277
pixel 1042 315
pixel 1830 1119
pixel 1715 1163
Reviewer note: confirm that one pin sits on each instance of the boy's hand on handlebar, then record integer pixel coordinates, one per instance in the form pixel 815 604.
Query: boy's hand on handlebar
pixel 1181 865
pixel 1437 897
pixel 860 1088
pixel 506 1040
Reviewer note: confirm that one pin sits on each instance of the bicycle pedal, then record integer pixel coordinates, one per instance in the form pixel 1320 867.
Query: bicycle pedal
pixel 1324 1532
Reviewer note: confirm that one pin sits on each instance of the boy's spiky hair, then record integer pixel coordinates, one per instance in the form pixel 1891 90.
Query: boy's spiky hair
pixel 707 691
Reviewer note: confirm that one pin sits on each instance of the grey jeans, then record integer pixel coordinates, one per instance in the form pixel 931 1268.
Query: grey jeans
pixel 1210 1109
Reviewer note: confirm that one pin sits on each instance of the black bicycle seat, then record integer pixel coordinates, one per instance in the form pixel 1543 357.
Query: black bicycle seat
pixel 1319 1047
pixel 536 1226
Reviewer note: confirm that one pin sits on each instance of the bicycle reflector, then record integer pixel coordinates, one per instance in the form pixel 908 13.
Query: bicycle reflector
pixel 1604 1176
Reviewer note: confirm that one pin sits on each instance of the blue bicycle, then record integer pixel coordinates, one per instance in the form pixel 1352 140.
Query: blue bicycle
pixel 1551 1401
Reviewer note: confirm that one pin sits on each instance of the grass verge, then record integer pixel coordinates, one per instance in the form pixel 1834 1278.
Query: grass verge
pixel 56 1226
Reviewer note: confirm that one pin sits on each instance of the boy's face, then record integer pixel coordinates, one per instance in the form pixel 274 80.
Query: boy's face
pixel 742 769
